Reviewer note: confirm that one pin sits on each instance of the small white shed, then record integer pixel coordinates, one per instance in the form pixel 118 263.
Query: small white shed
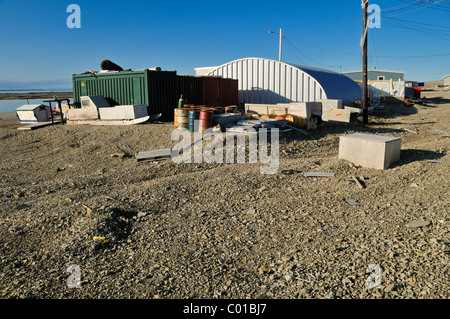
pixel 32 113
pixel 447 80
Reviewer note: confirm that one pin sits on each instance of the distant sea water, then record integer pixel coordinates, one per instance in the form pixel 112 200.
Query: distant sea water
pixel 12 105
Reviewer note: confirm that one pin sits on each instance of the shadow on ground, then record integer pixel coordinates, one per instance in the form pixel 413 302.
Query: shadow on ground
pixel 408 156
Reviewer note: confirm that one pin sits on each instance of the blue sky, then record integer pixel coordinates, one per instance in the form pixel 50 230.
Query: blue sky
pixel 37 47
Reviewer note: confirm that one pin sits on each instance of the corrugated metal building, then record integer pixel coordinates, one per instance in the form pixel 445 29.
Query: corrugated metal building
pixel 376 75
pixel 270 81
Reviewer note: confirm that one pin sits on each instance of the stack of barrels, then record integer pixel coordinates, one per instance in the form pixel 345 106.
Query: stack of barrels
pixel 188 117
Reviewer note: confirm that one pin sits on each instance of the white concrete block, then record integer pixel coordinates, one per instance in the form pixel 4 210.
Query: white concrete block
pixel 336 115
pixel 261 109
pixel 306 110
pixel 332 104
pixel 123 112
pixel 370 151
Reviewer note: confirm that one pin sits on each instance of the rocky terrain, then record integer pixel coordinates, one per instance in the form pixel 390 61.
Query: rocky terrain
pixel 75 195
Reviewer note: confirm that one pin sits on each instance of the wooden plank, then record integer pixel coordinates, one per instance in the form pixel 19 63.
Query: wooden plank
pixel 110 122
pixel 434 161
pixel 156 155
pixel 318 174
pixel 357 182
pixel 37 125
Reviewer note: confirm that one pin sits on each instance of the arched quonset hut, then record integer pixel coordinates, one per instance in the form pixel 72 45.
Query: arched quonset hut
pixel 266 81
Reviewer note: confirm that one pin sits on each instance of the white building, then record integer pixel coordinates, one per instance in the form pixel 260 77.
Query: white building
pixel 447 80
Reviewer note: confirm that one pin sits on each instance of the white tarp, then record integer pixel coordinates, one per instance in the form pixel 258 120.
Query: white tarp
pixel 388 88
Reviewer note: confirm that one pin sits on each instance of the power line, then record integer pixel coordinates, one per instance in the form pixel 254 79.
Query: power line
pixel 331 66
pixel 441 34
pixel 416 22
pixel 416 9
pixel 374 48
pixel 433 5
pixel 379 56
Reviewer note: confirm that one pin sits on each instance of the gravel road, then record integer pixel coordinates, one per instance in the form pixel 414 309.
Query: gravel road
pixel 80 218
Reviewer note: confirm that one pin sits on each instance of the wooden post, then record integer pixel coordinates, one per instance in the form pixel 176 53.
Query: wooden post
pixel 364 75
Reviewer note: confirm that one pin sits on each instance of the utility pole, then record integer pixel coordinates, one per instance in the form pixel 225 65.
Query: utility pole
pixel 281 40
pixel 364 71
pixel 281 37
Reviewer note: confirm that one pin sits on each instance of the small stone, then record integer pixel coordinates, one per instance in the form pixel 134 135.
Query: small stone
pixel 346 280
pixel 389 288
pixel 264 289
pixel 289 277
pixel 352 202
pixel 418 223
pixel 263 269
pixel 141 214
pixel 303 292
pixel 357 255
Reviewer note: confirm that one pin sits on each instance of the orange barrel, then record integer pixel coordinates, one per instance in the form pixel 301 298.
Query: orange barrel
pixel 175 121
pixel 217 109
pixel 193 116
pixel 295 120
pixel 182 118
pixel 230 109
pixel 206 118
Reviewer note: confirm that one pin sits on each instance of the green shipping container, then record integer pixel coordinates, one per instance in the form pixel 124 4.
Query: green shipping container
pixel 157 89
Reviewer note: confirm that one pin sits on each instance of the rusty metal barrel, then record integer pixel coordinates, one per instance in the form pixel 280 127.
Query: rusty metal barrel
pixel 206 118
pixel 182 117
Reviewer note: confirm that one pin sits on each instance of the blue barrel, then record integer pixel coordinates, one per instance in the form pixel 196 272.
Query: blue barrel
pixel 193 116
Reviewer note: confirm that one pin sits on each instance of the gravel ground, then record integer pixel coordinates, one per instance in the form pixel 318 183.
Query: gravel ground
pixel 75 195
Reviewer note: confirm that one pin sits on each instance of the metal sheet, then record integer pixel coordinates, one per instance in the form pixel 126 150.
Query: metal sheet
pixel 191 89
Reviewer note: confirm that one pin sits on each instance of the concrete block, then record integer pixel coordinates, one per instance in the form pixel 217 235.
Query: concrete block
pixel 370 151
pixel 277 110
pixel 261 109
pixel 353 109
pixel 123 112
pixel 306 110
pixel 336 115
pixel 332 104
